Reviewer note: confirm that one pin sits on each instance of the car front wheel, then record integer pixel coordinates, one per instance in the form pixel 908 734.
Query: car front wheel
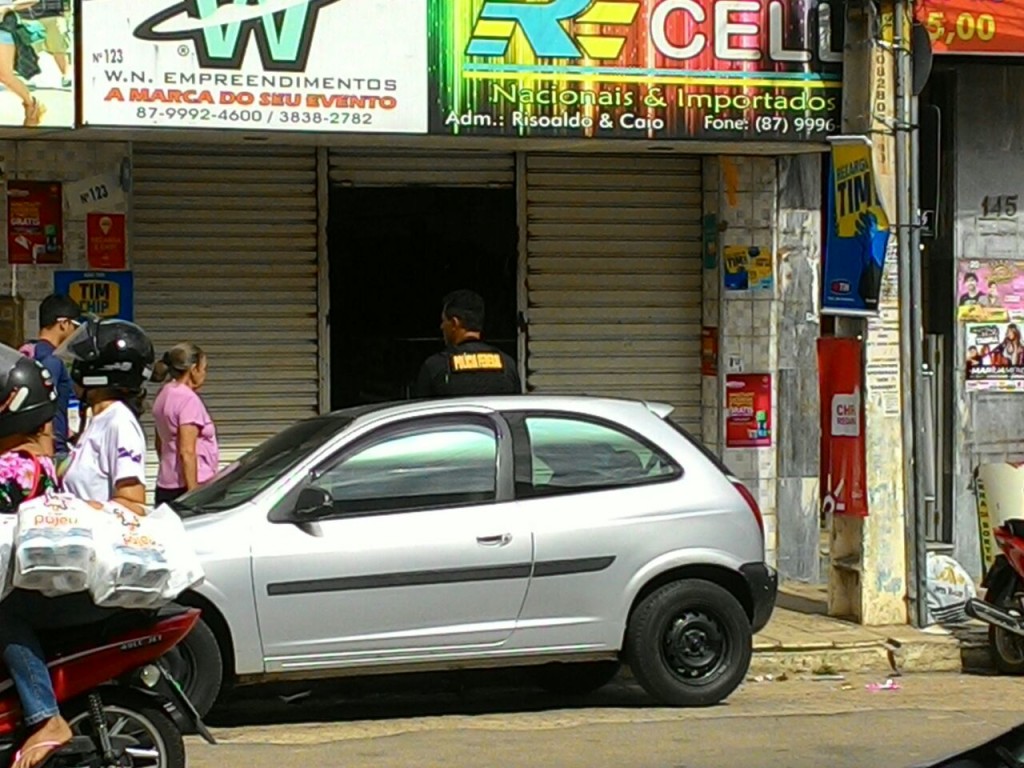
pixel 689 644
pixel 196 664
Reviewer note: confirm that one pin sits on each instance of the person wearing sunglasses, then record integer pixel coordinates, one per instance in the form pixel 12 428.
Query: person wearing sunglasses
pixel 59 317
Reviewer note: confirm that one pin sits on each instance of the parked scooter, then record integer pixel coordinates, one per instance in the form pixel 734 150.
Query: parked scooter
pixel 123 706
pixel 1003 606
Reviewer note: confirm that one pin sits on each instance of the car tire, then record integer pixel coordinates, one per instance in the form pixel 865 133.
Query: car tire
pixel 576 679
pixel 689 644
pixel 196 663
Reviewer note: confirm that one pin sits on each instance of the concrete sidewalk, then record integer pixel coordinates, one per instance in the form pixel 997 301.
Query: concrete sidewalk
pixel 798 643
pixel 805 642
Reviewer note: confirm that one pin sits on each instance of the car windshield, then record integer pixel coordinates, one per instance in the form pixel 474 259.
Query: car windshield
pixel 242 480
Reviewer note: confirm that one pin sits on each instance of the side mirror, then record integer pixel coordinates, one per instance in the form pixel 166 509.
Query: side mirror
pixel 312 503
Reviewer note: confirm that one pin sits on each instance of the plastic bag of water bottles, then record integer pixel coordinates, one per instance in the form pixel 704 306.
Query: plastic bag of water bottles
pixel 142 561
pixel 55 544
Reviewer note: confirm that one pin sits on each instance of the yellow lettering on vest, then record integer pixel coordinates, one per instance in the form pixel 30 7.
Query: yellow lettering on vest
pixel 476 361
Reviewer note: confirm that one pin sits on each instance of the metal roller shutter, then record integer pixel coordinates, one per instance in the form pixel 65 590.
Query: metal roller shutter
pixel 394 168
pixel 224 249
pixel 614 278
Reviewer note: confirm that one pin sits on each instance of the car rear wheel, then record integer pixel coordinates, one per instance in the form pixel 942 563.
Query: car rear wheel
pixel 689 644
pixel 575 679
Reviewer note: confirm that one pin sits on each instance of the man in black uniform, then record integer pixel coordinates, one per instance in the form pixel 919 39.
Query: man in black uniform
pixel 467 366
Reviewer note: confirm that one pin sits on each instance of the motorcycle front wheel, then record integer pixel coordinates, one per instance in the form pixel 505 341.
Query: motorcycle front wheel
pixel 141 734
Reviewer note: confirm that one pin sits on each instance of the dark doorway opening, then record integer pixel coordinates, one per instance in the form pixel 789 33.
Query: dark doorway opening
pixel 394 253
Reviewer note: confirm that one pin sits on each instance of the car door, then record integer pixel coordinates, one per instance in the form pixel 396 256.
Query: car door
pixel 594 493
pixel 420 555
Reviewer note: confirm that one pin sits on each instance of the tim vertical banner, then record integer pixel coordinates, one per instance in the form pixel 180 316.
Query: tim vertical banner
pixel 640 69
pixel 857 234
pixel 843 475
pixel 354 66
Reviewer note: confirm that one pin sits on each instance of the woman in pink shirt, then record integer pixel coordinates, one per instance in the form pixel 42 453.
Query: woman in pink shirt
pixel 185 436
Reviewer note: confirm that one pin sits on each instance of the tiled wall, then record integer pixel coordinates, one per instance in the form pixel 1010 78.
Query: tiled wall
pixel 64 161
pixel 774 204
pixel 744 189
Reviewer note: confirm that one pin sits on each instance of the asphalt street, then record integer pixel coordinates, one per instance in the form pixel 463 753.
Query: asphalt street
pixel 793 723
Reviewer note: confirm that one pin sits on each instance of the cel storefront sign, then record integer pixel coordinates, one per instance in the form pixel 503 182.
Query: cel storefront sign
pixel 286 65
pixel 649 69
pixel 644 69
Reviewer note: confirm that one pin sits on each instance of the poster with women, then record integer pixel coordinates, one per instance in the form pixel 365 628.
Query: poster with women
pixel 995 356
pixel 990 291
pixel 36 68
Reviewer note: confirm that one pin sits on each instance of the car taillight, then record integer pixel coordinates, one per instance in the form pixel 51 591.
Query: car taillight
pixel 751 502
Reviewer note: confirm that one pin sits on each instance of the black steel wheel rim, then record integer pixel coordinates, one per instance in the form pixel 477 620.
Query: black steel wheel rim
pixel 695 646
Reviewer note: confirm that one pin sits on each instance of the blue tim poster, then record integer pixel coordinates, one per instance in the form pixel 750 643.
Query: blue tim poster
pixel 105 294
pixel 857 236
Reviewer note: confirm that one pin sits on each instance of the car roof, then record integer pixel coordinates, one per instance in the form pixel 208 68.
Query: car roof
pixel 615 409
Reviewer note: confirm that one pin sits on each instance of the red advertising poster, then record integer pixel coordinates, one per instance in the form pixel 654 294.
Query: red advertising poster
pixel 748 402
pixel 973 27
pixel 708 351
pixel 105 240
pixel 35 228
pixel 842 473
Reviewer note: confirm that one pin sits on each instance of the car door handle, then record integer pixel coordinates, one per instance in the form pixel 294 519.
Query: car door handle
pixel 494 541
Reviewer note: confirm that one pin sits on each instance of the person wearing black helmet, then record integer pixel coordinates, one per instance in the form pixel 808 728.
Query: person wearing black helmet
pixel 111 360
pixel 28 403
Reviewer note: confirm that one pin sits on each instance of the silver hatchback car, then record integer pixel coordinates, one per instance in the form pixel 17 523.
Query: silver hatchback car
pixel 568 534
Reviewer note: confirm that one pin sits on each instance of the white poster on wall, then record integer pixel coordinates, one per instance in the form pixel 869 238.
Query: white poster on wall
pixel 355 66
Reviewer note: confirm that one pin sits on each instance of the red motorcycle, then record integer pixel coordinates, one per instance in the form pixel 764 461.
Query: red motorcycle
pixel 125 709
pixel 1003 606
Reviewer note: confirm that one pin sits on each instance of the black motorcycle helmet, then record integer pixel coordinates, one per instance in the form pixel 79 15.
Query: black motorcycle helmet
pixel 109 353
pixel 27 397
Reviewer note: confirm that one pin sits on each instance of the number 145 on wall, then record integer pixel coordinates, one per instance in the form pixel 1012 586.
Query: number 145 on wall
pixel 999 206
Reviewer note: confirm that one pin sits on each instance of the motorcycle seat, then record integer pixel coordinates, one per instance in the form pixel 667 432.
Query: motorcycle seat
pixel 1015 526
pixel 68 640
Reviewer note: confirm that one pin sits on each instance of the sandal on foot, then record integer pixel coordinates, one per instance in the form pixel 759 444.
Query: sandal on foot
pixel 51 745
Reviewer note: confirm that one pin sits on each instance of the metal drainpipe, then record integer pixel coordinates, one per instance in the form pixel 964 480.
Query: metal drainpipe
pixel 908 328
pixel 921 446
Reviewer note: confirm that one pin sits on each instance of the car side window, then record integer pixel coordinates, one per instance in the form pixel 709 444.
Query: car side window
pixel 432 466
pixel 572 455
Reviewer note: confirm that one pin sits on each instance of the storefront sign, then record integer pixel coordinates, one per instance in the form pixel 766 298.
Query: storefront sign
pixel 708 351
pixel 287 65
pixel 640 69
pixel 990 291
pixel 748 268
pixel 858 233
pixel 43 31
pixel 983 27
pixel 748 402
pixel 105 245
pixel 35 227
pixel 106 294
pixel 843 480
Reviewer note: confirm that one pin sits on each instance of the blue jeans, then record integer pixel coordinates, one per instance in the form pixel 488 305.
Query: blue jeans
pixel 22 613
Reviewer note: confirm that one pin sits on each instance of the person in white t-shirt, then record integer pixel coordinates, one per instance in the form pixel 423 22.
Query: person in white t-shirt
pixel 111 360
